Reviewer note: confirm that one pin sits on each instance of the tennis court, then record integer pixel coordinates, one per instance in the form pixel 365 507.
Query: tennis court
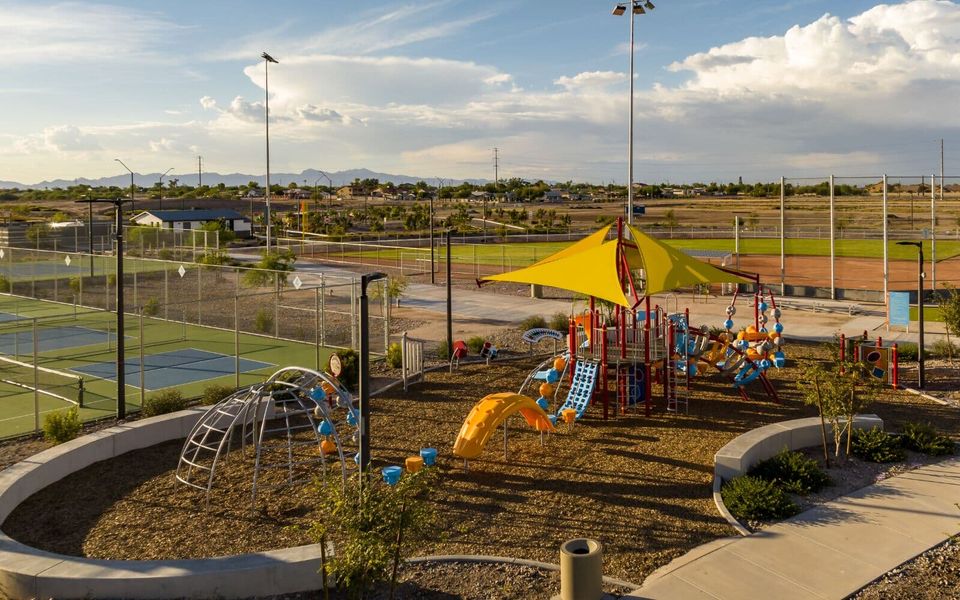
pixel 75 363
pixel 174 368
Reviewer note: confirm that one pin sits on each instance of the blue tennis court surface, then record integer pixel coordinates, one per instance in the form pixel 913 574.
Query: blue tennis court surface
pixel 173 368
pixel 4 317
pixel 53 338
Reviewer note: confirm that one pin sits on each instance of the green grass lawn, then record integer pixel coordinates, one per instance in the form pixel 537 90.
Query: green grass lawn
pixel 18 405
pixel 930 313
pixel 519 254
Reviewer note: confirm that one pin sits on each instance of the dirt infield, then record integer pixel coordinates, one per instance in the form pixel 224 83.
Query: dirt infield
pixel 850 273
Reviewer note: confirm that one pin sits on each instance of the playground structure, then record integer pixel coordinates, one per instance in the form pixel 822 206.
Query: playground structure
pixel 296 419
pixel 626 341
pixel 881 361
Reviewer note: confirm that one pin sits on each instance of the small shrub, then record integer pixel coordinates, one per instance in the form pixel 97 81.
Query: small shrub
pixel 943 349
pixel 4 284
pixel 111 280
pixel 166 254
pixel 533 322
pixel 907 351
pixel 350 369
pixel 792 471
pixel 163 403
pixel 560 322
pixel 876 445
pixel 151 307
pixel 443 350
pixel 923 437
pixel 62 426
pixel 475 344
pixel 757 499
pixel 263 321
pixel 74 283
pixel 215 393
pixel 395 355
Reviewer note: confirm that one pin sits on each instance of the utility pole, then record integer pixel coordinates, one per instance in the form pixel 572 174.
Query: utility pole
pixel 199 171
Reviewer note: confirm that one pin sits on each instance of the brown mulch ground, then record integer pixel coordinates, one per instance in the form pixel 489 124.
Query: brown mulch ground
pixel 642 486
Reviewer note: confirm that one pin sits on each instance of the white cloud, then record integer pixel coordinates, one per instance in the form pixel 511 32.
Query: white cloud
pixel 592 79
pixel 75 32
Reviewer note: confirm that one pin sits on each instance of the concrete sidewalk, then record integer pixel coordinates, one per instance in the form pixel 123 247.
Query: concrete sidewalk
pixel 830 551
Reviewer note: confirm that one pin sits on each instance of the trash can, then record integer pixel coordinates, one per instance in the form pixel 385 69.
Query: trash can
pixel 581 570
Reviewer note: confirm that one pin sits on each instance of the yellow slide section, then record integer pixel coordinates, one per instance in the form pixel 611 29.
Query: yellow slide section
pixel 486 416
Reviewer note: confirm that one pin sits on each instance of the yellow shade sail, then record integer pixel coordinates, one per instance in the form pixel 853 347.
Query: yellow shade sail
pixel 592 272
pixel 667 268
pixel 590 267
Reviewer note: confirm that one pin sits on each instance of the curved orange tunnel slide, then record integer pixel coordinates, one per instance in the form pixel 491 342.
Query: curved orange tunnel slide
pixel 488 414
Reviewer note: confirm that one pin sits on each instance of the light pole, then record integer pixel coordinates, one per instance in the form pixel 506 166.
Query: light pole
pixel 365 280
pixel 133 202
pixel 121 338
pixel 433 278
pixel 921 376
pixel 637 8
pixel 161 186
pixel 267 59
pixel 89 229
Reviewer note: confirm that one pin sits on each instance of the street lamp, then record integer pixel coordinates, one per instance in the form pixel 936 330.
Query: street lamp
pixel 89 229
pixel 637 8
pixel 133 203
pixel 161 186
pixel 121 338
pixel 921 377
pixel 267 59
pixel 365 280
pixel 433 279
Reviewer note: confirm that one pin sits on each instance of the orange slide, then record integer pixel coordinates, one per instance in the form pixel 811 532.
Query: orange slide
pixel 486 416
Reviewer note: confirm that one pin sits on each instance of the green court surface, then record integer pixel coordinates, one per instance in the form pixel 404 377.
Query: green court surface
pixel 86 339
pixel 520 254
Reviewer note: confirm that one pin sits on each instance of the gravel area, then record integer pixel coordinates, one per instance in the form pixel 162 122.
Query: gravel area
pixel 642 486
pixel 934 575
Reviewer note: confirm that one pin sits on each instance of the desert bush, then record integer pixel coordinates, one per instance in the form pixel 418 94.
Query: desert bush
pixel 4 284
pixel 165 402
pixel 62 425
pixel 923 437
pixel 443 349
pixel 475 344
pixel 942 349
pixel 533 322
pixel 111 280
pixel 350 365
pixel 74 283
pixel 215 393
pixel 151 307
pixel 395 355
pixel 263 321
pixel 907 351
pixel 757 499
pixel 876 445
pixel 792 471
pixel 560 322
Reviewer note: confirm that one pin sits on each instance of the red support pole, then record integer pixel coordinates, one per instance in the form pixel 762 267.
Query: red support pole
pixel 879 342
pixel 591 323
pixel 894 368
pixel 756 309
pixel 603 372
pixel 843 347
pixel 572 347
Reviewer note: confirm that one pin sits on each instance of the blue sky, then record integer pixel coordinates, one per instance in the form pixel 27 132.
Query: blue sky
pixel 724 89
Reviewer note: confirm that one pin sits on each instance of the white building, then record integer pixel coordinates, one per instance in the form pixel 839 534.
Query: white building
pixel 194 219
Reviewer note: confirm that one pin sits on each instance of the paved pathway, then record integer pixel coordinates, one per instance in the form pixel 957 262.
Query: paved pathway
pixel 830 551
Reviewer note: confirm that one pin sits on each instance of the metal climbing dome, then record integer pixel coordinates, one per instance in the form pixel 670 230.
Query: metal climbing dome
pixel 290 427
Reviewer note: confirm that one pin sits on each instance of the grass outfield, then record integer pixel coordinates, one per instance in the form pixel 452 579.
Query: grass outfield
pixel 521 254
pixel 17 406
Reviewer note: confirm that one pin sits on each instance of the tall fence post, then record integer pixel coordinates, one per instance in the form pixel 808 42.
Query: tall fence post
pixel 353 314
pixel 933 228
pixel 199 294
pixel 236 340
pixel 36 379
pixel 783 242
pixel 276 305
pixel 316 323
pixel 323 289
pixel 143 387
pixel 886 271
pixel 833 242
pixel 166 293
pixel 386 318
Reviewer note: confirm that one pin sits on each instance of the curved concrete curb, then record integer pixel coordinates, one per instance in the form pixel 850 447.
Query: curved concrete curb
pixel 479 558
pixel 748 449
pixel 27 572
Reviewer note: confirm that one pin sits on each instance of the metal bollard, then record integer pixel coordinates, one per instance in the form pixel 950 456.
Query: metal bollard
pixel 581 570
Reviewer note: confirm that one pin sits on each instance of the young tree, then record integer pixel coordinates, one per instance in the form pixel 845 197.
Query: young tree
pixel 950 312
pixel 839 390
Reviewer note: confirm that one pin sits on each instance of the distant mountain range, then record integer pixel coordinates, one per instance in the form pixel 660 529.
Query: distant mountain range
pixel 231 179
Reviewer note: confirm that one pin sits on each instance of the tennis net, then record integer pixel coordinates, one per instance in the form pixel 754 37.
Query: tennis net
pixel 22 376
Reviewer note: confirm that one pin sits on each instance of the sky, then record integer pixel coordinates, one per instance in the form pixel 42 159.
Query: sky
pixel 752 89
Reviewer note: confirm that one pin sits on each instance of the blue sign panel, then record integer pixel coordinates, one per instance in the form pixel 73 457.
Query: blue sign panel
pixel 899 308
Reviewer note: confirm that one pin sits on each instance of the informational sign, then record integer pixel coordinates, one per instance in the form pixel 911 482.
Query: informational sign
pixel 898 308
pixel 638 210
